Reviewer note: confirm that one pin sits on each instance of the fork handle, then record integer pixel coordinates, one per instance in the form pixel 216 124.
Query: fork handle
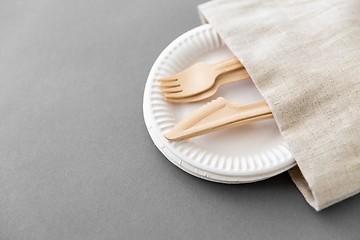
pixel 228 65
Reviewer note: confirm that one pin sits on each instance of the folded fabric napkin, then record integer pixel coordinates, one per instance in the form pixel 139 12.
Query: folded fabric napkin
pixel 304 57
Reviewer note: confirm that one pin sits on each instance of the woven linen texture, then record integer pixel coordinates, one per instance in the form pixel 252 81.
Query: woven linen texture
pixel 304 57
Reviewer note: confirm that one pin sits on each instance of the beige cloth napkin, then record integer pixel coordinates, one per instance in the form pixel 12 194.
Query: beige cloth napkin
pixel 304 57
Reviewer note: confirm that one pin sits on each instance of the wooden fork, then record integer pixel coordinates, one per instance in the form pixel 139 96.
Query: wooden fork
pixel 197 78
pixel 233 76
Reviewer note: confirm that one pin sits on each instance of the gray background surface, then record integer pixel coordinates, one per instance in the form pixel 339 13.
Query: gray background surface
pixel 77 161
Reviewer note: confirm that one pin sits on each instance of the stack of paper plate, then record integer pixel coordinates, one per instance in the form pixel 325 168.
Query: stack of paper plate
pixel 247 153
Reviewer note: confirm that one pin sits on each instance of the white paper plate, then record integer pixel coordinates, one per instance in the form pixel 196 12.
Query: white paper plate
pixel 243 154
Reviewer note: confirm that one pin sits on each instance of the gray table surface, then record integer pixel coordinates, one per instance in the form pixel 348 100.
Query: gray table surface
pixel 77 161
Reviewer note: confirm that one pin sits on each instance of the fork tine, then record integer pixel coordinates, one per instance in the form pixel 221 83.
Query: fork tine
pixel 172 89
pixel 178 94
pixel 166 79
pixel 169 84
